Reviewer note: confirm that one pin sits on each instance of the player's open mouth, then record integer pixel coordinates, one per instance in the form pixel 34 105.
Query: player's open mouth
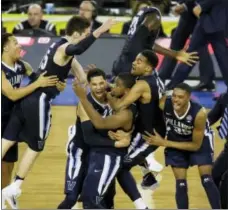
pixel 177 106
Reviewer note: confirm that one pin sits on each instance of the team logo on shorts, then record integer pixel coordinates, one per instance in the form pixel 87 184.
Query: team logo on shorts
pixel 70 185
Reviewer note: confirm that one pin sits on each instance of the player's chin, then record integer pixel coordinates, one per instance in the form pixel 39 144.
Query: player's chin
pixel 176 107
pixel 133 72
pixel 99 95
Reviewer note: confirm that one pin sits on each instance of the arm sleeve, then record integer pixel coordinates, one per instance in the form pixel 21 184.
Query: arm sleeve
pixel 81 47
pixel 92 138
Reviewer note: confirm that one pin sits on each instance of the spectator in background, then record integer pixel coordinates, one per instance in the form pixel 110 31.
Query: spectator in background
pixel 138 6
pixel 35 21
pixel 89 10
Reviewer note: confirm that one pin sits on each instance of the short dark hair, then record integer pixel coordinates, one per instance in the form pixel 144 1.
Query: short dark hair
pixel 76 24
pixel 128 79
pixel 185 87
pixel 151 57
pixel 5 39
pixel 96 72
pixel 138 4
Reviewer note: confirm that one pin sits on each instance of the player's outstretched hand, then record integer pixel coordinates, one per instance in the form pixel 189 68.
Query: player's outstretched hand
pixel 61 86
pixel 187 58
pixel 79 89
pixel 155 139
pixel 43 81
pixel 178 9
pixel 108 24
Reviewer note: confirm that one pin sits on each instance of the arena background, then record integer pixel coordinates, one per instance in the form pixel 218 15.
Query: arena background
pixel 43 188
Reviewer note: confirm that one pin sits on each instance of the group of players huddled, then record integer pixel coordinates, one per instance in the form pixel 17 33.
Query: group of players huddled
pixel 119 124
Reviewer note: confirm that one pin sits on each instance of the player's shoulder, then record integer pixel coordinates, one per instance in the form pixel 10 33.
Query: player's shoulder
pixel 195 105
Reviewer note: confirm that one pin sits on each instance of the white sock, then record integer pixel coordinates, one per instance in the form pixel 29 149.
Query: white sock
pixel 149 157
pixel 144 170
pixel 139 204
pixel 18 183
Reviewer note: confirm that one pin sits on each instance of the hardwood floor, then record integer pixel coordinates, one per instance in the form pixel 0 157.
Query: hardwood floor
pixel 43 188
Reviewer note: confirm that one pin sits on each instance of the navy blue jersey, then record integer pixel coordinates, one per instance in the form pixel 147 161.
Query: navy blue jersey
pixel 150 115
pixel 102 109
pixel 14 76
pixel 104 133
pixel 48 64
pixel 181 128
pixel 135 25
pixel 139 38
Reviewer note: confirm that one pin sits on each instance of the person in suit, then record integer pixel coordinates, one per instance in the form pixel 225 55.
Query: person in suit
pixel 138 6
pixel 184 29
pixel 35 23
pixel 212 18
pixel 220 168
pixel 89 10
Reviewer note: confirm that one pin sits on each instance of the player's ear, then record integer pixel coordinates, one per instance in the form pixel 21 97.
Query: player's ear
pixel 6 48
pixel 76 35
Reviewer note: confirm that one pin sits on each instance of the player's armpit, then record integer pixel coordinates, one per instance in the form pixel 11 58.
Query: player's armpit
pixel 78 71
pixel 28 67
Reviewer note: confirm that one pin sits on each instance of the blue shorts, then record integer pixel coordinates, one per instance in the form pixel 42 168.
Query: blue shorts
pixel 137 152
pixel 102 170
pixel 30 121
pixel 185 159
pixel 11 155
pixel 76 168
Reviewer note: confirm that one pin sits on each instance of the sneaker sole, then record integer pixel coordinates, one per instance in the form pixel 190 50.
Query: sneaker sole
pixel 11 203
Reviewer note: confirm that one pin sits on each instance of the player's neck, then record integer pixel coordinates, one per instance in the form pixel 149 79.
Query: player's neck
pixel 183 111
pixel 8 60
pixel 102 100
pixel 147 73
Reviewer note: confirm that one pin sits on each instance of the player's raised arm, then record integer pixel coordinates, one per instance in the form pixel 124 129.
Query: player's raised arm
pixel 197 136
pixel 78 48
pixel 187 58
pixel 134 94
pixel 16 94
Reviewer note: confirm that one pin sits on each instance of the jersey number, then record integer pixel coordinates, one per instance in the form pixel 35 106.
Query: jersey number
pixel 44 61
pixel 133 26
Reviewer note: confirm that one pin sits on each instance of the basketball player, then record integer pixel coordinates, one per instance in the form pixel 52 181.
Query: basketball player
pixel 58 60
pixel 147 91
pixel 13 71
pixel 78 148
pixel 143 32
pixel 189 142
pixel 94 197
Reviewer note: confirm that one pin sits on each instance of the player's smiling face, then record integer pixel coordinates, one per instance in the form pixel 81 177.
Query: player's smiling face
pixel 98 87
pixel 180 99
pixel 13 48
pixel 139 66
